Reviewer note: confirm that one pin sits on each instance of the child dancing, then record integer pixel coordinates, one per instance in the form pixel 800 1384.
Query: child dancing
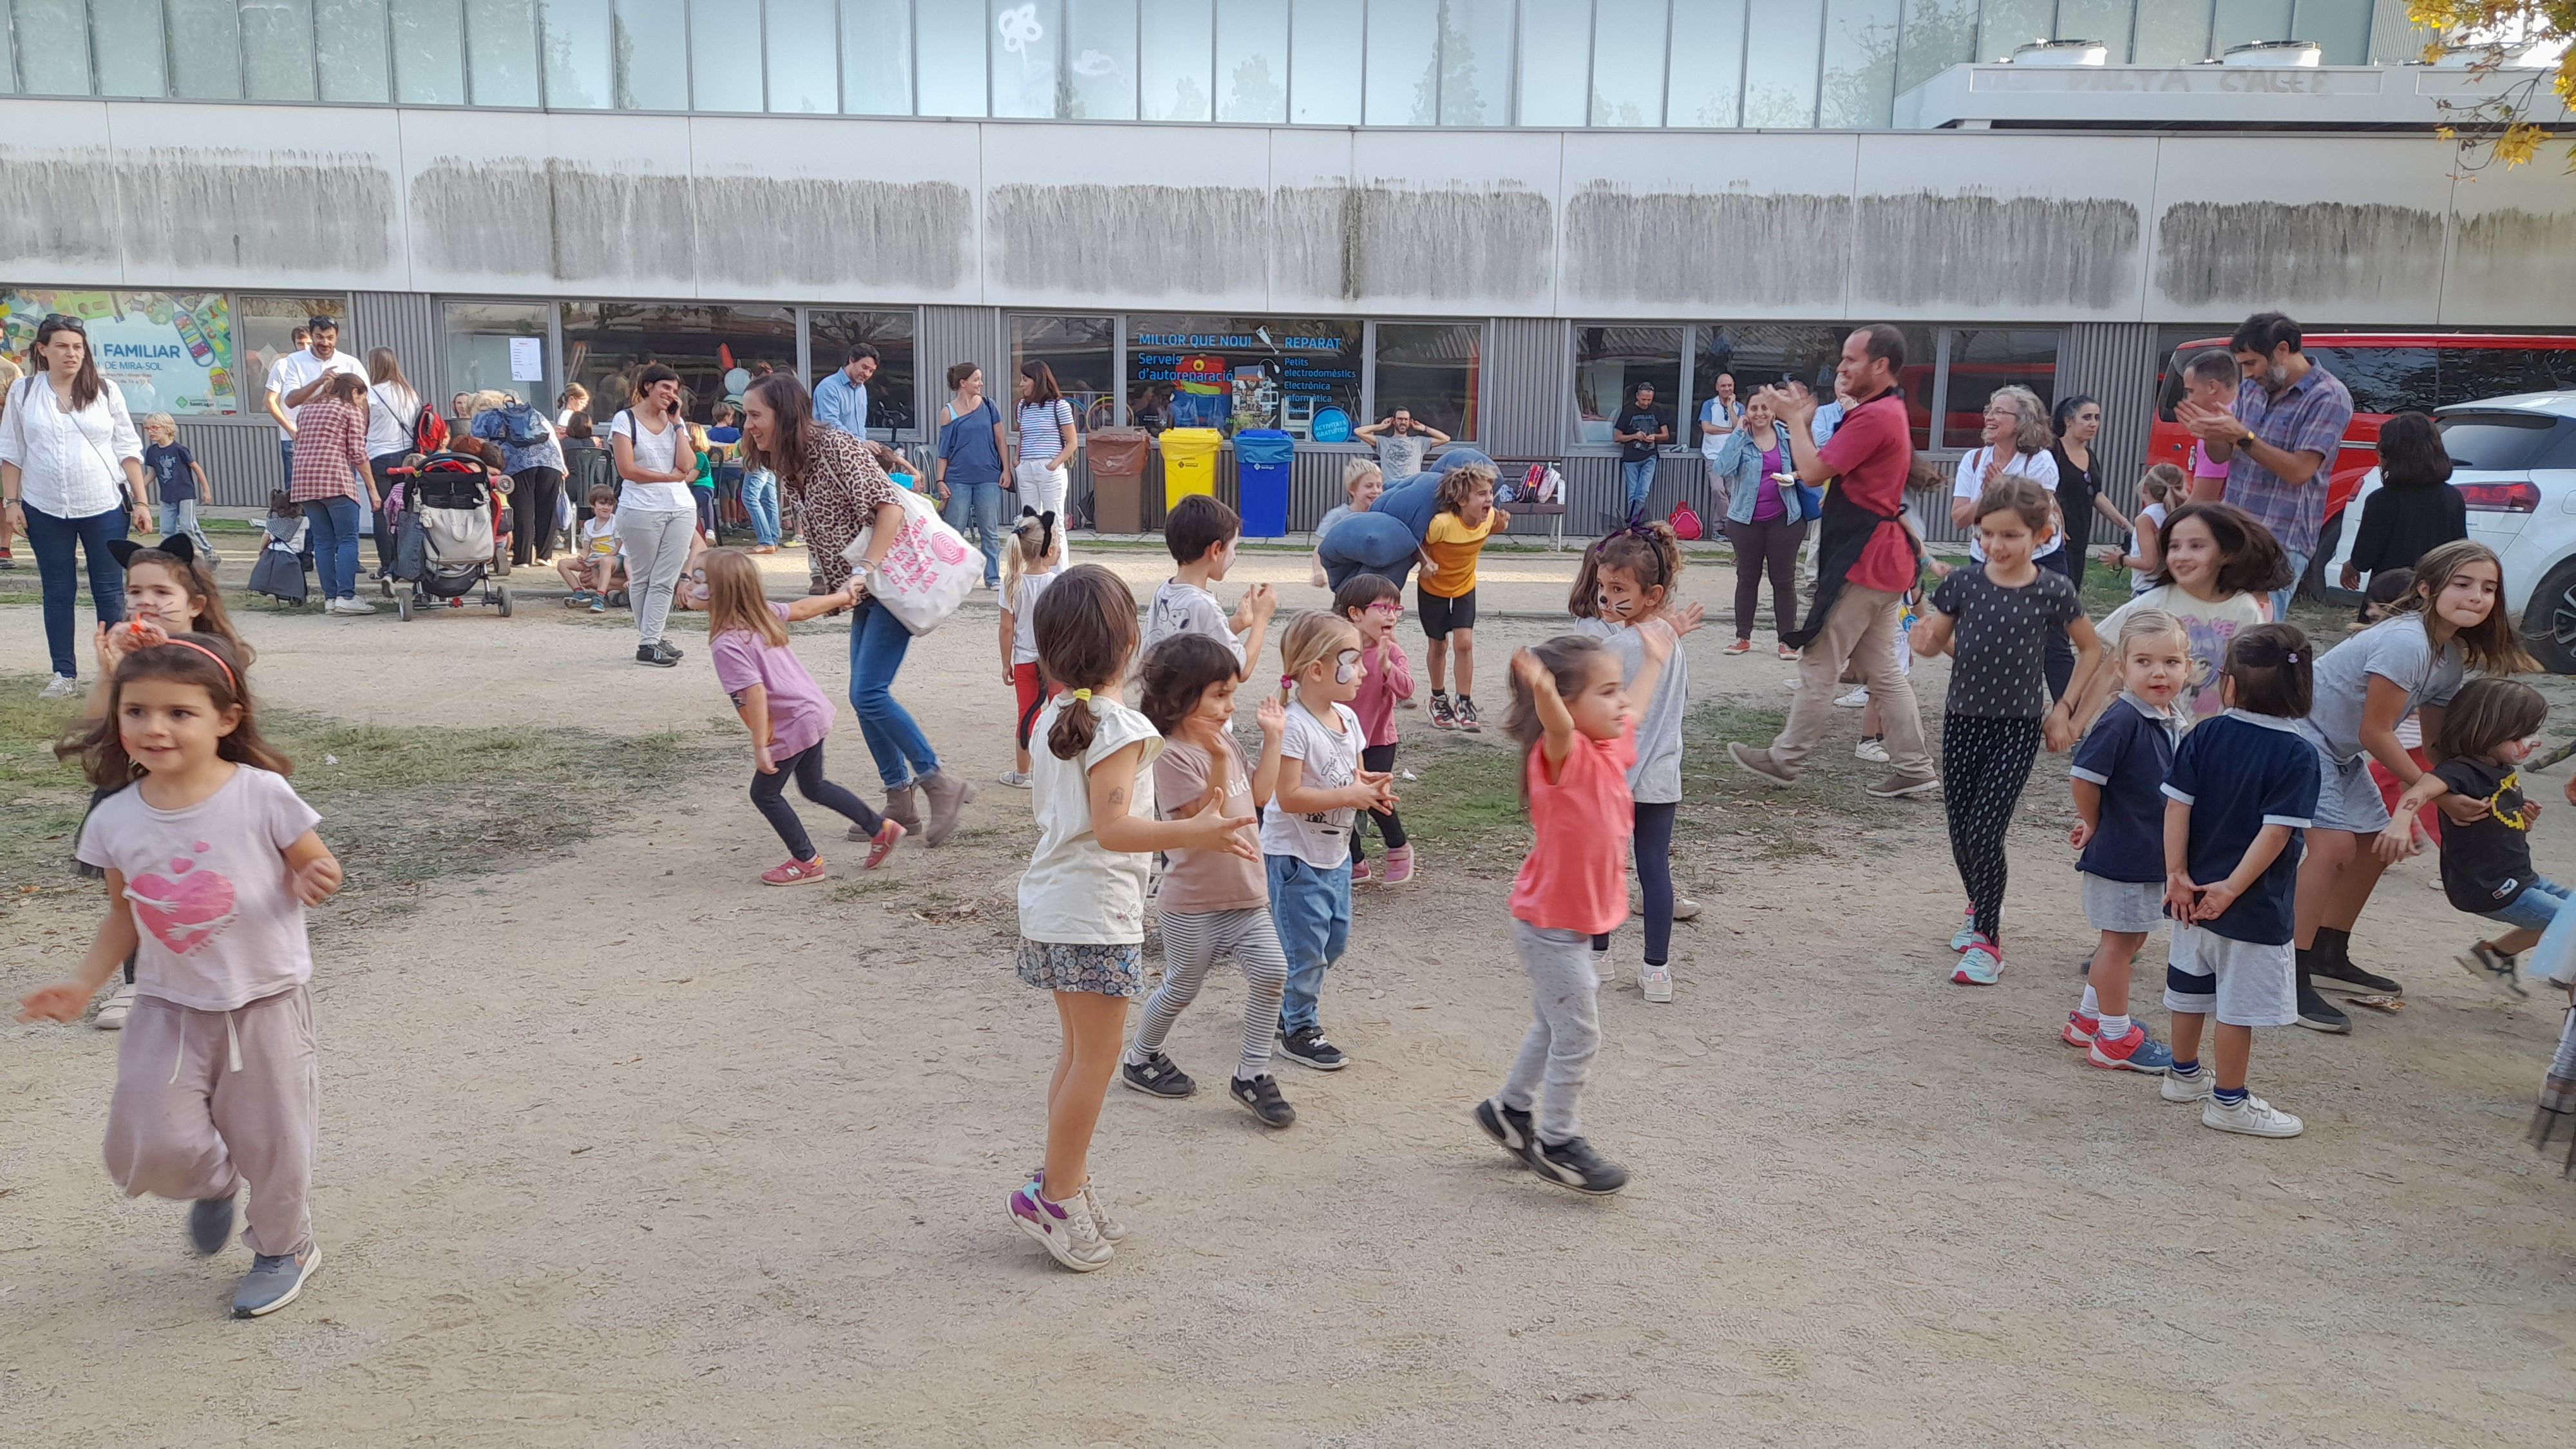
pixel 1306 837
pixel 1372 603
pixel 2119 777
pixel 1029 564
pixel 2487 734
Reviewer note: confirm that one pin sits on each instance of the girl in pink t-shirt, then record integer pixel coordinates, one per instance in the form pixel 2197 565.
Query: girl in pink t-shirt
pixel 787 714
pixel 1577 728
pixel 1373 604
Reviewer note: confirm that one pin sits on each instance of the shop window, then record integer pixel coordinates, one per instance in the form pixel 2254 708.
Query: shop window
pixel 1082 352
pixel 830 335
pixel 264 330
pixel 491 344
pixel 1759 354
pixel 1609 363
pixel 1433 370
pixel 717 351
pixel 1983 359
pixel 169 352
pixel 1299 374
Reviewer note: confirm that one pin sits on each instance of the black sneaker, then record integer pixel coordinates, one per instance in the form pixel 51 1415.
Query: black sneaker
pixel 210 1225
pixel 2492 966
pixel 1509 1126
pixel 1307 1047
pixel 2351 980
pixel 1157 1076
pixel 1573 1164
pixel 1261 1095
pixel 655 655
pixel 2317 1014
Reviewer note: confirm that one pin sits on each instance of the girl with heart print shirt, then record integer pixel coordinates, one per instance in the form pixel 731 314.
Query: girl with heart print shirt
pixel 210 860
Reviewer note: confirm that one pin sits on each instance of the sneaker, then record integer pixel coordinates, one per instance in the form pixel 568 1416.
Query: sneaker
pixel 1067 1230
pixel 273 1281
pixel 2317 1014
pixel 111 1017
pixel 1261 1097
pixel 2076 1033
pixel 1967 932
pixel 354 605
pixel 881 844
pixel 599 606
pixel 2481 960
pixel 1442 716
pixel 1656 982
pixel 654 655
pixel 2351 980
pixel 61 686
pixel 1603 973
pixel 1362 872
pixel 1685 909
pixel 1111 1230
pixel 1510 1126
pixel 1399 866
pixel 1016 779
pixel 2136 1052
pixel 794 872
pixel 948 798
pixel 1467 720
pixel 2254 1117
pixel 1872 749
pixel 1789 653
pixel 1573 1164
pixel 1157 1076
pixel 581 599
pixel 1306 1046
pixel 210 1224
pixel 1760 764
pixel 1856 698
pixel 1740 646
pixel 2194 1088
pixel 1904 787
pixel 1982 964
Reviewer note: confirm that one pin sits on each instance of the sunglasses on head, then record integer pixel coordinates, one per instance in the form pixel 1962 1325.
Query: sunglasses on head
pixel 63 322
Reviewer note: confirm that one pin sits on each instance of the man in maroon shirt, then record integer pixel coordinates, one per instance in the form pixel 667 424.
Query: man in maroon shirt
pixel 1866 560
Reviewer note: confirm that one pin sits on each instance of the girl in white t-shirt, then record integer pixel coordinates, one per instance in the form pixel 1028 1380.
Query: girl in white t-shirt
pixel 2161 489
pixel 1306 835
pixel 1082 898
pixel 2215 570
pixel 210 861
pixel 1029 563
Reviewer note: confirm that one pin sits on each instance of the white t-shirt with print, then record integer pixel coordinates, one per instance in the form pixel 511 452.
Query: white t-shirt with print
pixel 1180 608
pixel 1327 760
pixel 218 927
pixel 2039 468
pixel 1074 892
pixel 1024 616
pixel 658 452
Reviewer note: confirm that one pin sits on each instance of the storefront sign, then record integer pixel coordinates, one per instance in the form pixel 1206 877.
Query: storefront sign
pixel 1235 374
pixel 168 352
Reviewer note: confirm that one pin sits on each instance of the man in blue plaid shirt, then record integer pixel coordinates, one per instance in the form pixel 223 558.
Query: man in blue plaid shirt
pixel 2279 439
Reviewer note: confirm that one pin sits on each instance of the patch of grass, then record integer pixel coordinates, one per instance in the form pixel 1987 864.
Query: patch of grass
pixel 1749 819
pixel 1467 799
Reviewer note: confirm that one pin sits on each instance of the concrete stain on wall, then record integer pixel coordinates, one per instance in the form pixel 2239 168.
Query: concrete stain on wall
pixel 288 212
pixel 1365 243
pixel 2516 263
pixel 1138 241
pixel 2280 254
pixel 1923 250
pixel 57 207
pixel 518 217
pixel 1711 248
pixel 766 230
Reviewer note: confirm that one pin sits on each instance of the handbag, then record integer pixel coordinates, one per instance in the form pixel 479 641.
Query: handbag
pixel 1685 523
pixel 926 574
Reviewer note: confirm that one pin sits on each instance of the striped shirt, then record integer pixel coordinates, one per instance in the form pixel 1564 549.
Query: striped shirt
pixel 2309 417
pixel 1042 429
pixel 330 451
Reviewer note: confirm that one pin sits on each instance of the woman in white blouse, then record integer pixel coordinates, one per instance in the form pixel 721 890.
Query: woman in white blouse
pixel 72 479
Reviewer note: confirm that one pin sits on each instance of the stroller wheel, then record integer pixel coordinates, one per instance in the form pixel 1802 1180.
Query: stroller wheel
pixel 402 605
pixel 502 598
pixel 387 585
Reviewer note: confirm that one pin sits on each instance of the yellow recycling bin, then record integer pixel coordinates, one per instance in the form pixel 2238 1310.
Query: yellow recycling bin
pixel 1189 463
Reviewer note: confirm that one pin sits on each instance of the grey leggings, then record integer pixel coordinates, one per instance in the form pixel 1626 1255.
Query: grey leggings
pixel 1565 1029
pixel 1191 944
pixel 657 549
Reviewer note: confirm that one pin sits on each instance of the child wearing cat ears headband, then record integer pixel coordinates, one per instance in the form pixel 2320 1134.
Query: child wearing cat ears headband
pixel 1029 564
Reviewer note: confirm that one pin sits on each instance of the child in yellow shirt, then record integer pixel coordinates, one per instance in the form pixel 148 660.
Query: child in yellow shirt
pixel 1447 593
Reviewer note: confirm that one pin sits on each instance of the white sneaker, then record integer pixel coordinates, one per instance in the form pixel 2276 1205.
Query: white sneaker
pixel 1016 779
pixel 2194 1088
pixel 111 1017
pixel 350 606
pixel 1066 1229
pixel 1870 750
pixel 1685 909
pixel 1656 982
pixel 1602 971
pixel 1858 697
pixel 2254 1117
pixel 61 686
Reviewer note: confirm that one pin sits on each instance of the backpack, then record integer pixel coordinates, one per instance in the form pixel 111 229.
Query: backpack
pixel 1542 484
pixel 522 426
pixel 1685 523
pixel 428 431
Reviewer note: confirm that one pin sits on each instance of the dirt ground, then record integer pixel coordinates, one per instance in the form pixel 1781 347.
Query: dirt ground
pixel 622 1149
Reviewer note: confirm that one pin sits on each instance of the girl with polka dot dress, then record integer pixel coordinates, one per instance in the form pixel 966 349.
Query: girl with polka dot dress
pixel 1995 619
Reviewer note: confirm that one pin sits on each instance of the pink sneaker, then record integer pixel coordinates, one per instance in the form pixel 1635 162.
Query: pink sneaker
pixel 1399 865
pixel 882 843
pixel 794 872
pixel 2077 1033
pixel 1362 872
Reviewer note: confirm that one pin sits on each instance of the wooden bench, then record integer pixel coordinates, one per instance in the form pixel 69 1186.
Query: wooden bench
pixel 1554 513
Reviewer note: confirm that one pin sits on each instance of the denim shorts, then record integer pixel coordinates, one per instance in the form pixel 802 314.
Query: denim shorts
pixel 2535 908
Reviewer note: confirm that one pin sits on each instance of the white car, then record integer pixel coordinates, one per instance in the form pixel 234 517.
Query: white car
pixel 2515 461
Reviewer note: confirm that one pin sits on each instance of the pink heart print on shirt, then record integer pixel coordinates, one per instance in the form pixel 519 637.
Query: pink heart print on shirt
pixel 184 909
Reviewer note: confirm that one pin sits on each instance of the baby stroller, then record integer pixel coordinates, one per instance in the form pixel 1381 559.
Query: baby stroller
pixel 445 517
pixel 279 570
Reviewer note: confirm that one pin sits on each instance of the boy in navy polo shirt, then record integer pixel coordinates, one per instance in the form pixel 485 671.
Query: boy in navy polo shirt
pixel 2119 782
pixel 2236 823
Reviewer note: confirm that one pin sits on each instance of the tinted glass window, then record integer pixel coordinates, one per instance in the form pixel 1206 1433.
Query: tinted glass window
pixel 606 343
pixel 1609 362
pixel 2509 442
pixel 890 392
pixel 1295 373
pixel 1983 359
pixel 2474 374
pixel 1431 370
pixel 2384 379
pixel 1082 352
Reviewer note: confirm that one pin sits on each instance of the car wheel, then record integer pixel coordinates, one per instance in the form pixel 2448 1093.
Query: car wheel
pixel 2549 623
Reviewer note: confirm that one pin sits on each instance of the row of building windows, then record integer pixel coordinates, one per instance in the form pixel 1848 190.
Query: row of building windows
pixel 1548 63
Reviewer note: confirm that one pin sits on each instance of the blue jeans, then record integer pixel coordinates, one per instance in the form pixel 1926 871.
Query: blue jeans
pixel 760 500
pixel 2298 575
pixel 1312 909
pixel 181 518
pixel 53 540
pixel 975 509
pixel 335 544
pixel 1640 478
pixel 2535 909
pixel 878 642
pixel 286 461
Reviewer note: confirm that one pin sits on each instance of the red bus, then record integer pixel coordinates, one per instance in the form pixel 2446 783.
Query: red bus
pixel 2387 373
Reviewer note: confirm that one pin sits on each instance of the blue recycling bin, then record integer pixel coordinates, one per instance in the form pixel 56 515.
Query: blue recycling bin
pixel 1261 458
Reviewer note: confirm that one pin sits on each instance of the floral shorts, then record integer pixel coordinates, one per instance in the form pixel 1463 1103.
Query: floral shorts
pixel 1113 970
